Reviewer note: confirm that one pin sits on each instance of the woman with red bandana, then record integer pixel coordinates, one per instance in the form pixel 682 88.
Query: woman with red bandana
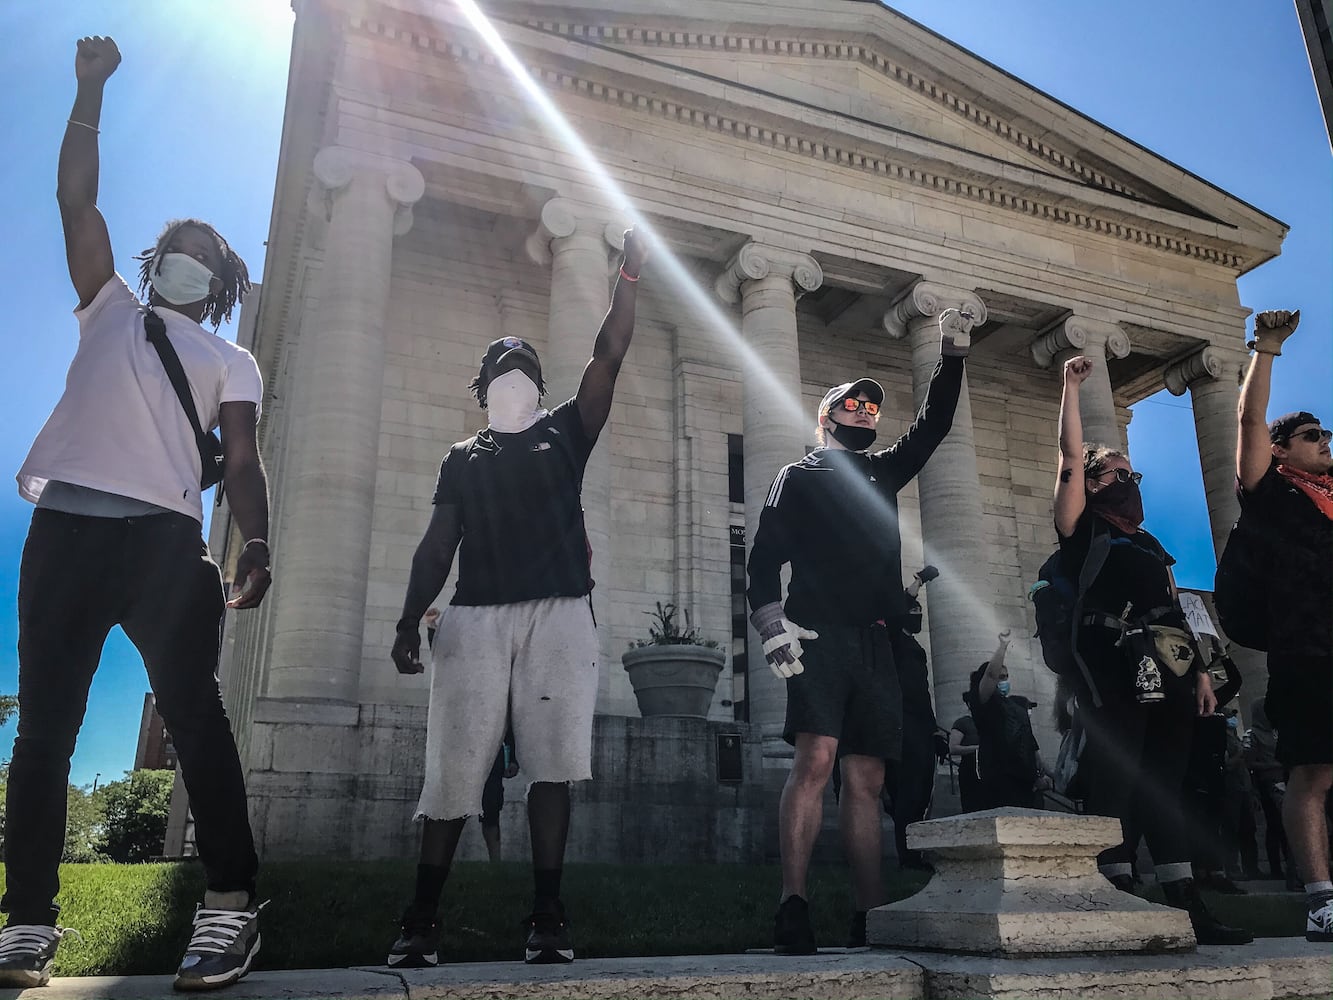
pixel 1139 685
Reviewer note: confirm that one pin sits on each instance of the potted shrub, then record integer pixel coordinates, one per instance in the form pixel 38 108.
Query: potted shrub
pixel 674 670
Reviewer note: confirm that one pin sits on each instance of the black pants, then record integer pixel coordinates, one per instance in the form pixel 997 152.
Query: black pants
pixel 1009 790
pixel 153 576
pixel 971 795
pixel 1136 758
pixel 1275 835
pixel 493 792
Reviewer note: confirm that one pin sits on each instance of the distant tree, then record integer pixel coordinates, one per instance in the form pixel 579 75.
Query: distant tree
pixel 135 815
pixel 9 704
pixel 83 826
pixel 83 822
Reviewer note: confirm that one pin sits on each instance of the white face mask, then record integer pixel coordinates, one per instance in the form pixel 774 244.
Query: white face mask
pixel 180 279
pixel 511 402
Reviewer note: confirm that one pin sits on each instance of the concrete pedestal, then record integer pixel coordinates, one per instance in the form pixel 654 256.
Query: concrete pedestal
pixel 1012 882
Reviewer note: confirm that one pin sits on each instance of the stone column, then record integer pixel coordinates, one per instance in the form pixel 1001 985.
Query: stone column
pixel 953 532
pixel 323 546
pixel 1212 376
pixel 766 281
pixel 576 242
pixel 1095 340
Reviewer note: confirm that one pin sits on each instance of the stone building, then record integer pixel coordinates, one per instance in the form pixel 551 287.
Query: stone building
pixel 828 175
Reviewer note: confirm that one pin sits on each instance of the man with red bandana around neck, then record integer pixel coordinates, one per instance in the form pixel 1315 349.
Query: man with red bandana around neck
pixel 1283 478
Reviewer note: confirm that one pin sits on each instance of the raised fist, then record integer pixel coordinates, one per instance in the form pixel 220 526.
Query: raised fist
pixel 1271 328
pixel 956 332
pixel 636 252
pixel 1004 637
pixel 1077 370
pixel 95 59
pixel 927 573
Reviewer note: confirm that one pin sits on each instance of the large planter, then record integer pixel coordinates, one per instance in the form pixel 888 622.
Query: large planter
pixel 674 680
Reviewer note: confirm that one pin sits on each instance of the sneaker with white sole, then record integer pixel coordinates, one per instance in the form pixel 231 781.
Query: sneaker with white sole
pixel 221 949
pixel 548 940
pixel 27 952
pixel 418 943
pixel 1319 923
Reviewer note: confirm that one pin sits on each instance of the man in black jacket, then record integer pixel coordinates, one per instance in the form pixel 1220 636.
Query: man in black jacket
pixel 834 517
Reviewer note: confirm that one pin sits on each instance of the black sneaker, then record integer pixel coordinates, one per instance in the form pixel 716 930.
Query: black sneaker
pixel 27 952
pixel 548 935
pixel 418 944
pixel 856 934
pixel 222 947
pixel 1184 895
pixel 792 933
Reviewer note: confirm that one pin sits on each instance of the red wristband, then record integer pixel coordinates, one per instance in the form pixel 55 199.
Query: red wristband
pixel 626 275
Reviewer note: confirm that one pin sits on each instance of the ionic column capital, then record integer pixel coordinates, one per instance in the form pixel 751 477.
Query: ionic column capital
pixel 561 218
pixel 759 260
pixel 925 301
pixel 1079 333
pixel 335 167
pixel 1204 364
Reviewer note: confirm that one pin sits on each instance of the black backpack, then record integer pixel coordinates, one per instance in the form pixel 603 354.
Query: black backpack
pixel 1239 589
pixel 1057 601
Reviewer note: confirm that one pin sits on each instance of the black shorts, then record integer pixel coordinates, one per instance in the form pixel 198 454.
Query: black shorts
pixel 849 690
pixel 1299 703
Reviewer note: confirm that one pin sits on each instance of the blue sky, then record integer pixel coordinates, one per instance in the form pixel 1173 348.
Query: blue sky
pixel 193 117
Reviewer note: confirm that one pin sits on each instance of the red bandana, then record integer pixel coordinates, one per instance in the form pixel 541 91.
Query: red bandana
pixel 1318 488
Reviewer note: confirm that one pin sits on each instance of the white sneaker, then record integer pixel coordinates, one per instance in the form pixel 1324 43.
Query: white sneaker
pixel 1319 923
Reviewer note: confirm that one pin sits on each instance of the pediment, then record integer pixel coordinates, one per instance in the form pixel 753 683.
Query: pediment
pixel 862 87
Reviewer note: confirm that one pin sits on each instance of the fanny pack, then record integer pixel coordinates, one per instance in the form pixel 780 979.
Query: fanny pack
pixel 1151 649
pixel 1175 648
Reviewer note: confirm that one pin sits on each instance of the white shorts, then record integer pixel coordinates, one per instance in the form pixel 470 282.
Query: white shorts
pixel 535 663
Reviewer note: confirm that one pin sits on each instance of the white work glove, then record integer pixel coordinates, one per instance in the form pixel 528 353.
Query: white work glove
pixel 956 332
pixel 782 640
pixel 1271 328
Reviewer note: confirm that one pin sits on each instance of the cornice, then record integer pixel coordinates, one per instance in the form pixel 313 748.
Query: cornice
pixel 879 160
pixel 866 55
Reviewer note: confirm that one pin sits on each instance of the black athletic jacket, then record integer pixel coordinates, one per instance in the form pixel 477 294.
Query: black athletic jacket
pixel 834 517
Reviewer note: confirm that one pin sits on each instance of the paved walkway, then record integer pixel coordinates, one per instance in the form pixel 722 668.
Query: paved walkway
pixel 1269 968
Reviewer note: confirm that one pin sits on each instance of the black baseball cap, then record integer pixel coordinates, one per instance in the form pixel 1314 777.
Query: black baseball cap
pixel 869 386
pixel 1280 429
pixel 505 348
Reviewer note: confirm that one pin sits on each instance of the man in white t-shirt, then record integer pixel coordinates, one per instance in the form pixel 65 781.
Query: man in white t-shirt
pixel 116 540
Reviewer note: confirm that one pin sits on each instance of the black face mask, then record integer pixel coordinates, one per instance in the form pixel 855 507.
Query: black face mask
pixel 851 438
pixel 1121 500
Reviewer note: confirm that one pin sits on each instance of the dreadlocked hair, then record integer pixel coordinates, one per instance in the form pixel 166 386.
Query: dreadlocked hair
pixel 235 276
pixel 1095 459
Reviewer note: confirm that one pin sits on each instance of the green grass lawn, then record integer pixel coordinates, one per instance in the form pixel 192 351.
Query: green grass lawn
pixel 134 919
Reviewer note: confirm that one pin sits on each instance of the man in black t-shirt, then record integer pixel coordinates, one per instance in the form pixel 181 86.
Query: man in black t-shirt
pixel 834 517
pixel 1286 490
pixel 518 640
pixel 1007 762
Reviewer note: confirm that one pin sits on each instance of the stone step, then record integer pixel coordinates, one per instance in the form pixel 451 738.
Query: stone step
pixel 1268 969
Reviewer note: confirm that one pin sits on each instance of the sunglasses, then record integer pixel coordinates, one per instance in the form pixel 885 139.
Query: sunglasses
pixel 852 405
pixel 1315 435
pixel 1121 476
